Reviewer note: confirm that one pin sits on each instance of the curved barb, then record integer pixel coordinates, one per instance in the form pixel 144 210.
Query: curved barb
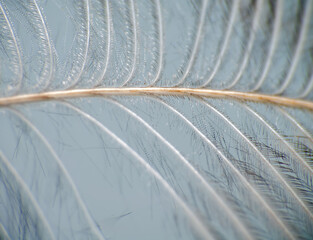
pixel 308 89
pixel 74 79
pixel 218 199
pixel 161 43
pixel 253 30
pixel 273 169
pixel 256 194
pixel 135 43
pixel 273 44
pixel 230 28
pixel 16 46
pixel 296 123
pixel 108 46
pixel 299 48
pixel 282 139
pixel 9 169
pixel 62 168
pixel 264 159
pixel 196 44
pixel 4 233
pixel 194 219
pixel 49 76
pixel 40 65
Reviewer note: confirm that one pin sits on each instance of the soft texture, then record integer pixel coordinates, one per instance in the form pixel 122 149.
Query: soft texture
pixel 153 164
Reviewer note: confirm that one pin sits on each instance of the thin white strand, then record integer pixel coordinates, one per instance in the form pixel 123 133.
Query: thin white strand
pixel 230 27
pixel 308 88
pixel 218 199
pixel 296 123
pixel 259 153
pixel 161 44
pixel 61 166
pixel 29 194
pixel 196 43
pixel 299 48
pixel 274 170
pixel 274 40
pixel 4 233
pixel 302 160
pixel 109 42
pixel 86 46
pixel 195 220
pixel 256 20
pixel 20 72
pixel 47 38
pixel 257 195
pixel 135 43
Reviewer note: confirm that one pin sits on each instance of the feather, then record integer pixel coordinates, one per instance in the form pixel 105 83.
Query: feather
pixel 99 142
pixel 16 53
